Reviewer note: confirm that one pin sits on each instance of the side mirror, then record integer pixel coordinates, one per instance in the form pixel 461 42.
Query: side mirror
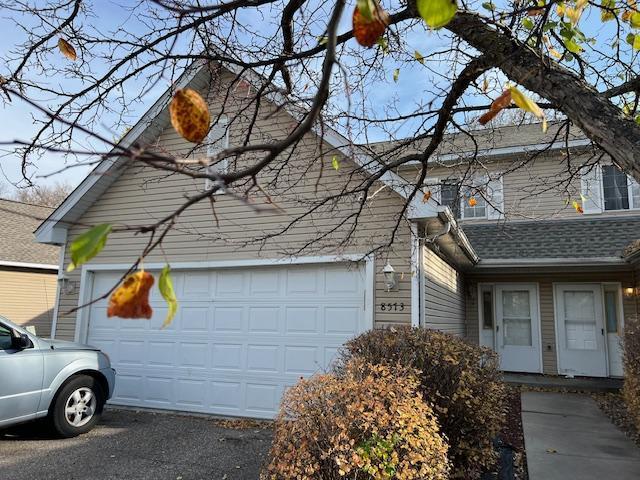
pixel 21 341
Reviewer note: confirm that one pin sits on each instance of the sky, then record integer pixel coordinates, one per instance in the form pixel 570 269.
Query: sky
pixel 17 122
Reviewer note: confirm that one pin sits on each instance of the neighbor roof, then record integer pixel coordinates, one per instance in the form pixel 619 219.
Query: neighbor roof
pixel 584 238
pixel 17 242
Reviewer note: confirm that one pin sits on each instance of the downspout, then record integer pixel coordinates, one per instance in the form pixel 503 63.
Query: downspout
pixel 417 290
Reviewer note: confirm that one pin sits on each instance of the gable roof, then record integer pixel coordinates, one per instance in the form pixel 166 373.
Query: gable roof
pixel 596 240
pixel 54 229
pixel 18 246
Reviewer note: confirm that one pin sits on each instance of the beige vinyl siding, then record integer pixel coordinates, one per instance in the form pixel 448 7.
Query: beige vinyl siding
pixel 142 195
pixel 27 298
pixel 545 283
pixel 444 295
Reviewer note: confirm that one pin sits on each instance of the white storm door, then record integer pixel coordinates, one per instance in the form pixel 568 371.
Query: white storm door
pixel 518 328
pixel 580 328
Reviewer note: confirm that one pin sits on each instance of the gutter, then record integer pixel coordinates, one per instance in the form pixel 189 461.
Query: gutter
pixel 38 266
pixel 549 262
pixel 459 234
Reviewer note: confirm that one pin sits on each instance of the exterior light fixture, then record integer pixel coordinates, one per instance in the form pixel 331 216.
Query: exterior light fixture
pixel 629 292
pixel 390 279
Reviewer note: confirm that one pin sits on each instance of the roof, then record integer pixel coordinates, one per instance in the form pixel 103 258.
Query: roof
pixel 488 142
pixel 17 242
pixel 584 238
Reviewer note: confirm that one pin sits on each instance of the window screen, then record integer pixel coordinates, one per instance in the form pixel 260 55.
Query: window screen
pixel 614 188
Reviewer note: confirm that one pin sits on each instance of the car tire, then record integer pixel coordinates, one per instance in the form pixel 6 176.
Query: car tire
pixel 77 406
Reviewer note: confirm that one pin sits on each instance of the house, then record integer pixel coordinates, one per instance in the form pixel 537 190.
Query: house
pixel 527 275
pixel 28 270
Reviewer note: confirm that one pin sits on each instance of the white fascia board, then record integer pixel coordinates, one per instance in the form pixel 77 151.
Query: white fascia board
pixel 51 230
pixel 549 262
pixel 40 266
pixel 496 152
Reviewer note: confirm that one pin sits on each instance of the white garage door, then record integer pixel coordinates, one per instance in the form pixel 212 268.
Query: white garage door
pixel 240 336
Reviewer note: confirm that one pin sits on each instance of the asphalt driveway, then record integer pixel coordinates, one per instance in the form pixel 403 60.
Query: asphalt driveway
pixel 138 445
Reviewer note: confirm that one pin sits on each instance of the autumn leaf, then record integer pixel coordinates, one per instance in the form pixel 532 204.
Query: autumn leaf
pixel 131 299
pixel 67 49
pixel 335 163
pixel 367 29
pixel 88 245
pixel 396 75
pixel 165 285
pixel 499 104
pixel 577 207
pixel 535 12
pixel 426 196
pixel 634 19
pixel 437 13
pixel 418 56
pixel 189 115
pixel 528 105
pixel 606 12
pixel 472 202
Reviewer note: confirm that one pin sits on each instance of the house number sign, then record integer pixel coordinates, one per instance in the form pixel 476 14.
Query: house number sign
pixel 392 307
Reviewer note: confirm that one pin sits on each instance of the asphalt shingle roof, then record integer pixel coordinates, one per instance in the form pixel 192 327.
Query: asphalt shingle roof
pixel 17 242
pixel 579 238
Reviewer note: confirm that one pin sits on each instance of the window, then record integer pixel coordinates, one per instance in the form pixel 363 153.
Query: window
pixel 217 140
pixel 486 297
pixel 615 189
pixel 611 309
pixel 479 210
pixel 449 197
pixel 6 338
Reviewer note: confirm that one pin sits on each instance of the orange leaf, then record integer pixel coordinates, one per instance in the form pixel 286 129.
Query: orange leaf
pixel 500 103
pixel 190 115
pixel 472 202
pixel 366 31
pixel 426 196
pixel 131 299
pixel 535 12
pixel 67 49
pixel 577 207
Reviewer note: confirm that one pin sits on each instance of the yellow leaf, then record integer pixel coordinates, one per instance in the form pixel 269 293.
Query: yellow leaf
pixel 525 103
pixel 131 299
pixel 335 163
pixel 165 285
pixel 437 13
pixel 418 56
pixel 189 115
pixel 577 207
pixel 67 49
pixel 634 20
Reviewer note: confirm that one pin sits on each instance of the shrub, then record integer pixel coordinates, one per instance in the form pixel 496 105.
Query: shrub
pixel 631 389
pixel 461 381
pixel 368 423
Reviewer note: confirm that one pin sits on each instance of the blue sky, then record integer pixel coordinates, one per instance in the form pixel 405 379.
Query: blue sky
pixel 413 86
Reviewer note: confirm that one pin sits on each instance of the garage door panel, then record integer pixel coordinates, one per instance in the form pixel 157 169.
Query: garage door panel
pixel 239 339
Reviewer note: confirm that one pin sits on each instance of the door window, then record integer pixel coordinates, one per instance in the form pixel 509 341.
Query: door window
pixel 580 320
pixel 611 310
pixel 6 338
pixel 516 318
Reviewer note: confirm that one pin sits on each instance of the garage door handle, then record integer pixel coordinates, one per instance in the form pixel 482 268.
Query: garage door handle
pixel 602 331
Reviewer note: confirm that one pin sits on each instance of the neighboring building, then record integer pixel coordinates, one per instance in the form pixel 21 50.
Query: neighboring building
pixel 549 295
pixel 28 270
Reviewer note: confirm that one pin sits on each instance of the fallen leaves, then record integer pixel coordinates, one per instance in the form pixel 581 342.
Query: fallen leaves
pixel 369 22
pixel 67 49
pixel 131 299
pixel 189 115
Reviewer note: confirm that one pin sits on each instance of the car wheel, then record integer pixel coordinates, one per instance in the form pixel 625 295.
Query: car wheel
pixel 77 406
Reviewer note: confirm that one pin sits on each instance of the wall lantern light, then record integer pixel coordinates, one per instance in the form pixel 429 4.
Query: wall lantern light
pixel 629 291
pixel 390 279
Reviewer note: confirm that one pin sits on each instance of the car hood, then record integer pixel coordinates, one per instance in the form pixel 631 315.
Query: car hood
pixel 65 345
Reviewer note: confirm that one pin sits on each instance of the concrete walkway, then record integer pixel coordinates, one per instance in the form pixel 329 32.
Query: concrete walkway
pixel 566 436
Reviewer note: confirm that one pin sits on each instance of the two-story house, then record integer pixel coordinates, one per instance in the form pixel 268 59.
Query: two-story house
pixel 517 269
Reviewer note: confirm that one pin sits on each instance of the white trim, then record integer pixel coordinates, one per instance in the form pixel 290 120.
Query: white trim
pixel 548 262
pixel 416 276
pixel 56 304
pixel 494 152
pixel 41 266
pixel 88 271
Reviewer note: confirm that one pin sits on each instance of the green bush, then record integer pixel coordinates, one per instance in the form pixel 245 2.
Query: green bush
pixel 368 423
pixel 461 381
pixel 631 389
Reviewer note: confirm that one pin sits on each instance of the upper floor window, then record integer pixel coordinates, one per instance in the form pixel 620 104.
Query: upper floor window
pixel 217 140
pixel 449 193
pixel 607 188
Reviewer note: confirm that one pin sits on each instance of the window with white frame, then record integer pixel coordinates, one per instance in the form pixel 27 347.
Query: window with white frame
pixel 217 140
pixel 474 204
pixel 607 188
pixel 450 196
pixel 449 193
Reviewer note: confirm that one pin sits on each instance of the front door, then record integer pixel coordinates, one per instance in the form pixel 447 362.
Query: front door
pixel 581 335
pixel 518 328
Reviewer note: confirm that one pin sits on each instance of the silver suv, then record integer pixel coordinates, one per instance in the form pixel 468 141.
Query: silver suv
pixel 67 382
